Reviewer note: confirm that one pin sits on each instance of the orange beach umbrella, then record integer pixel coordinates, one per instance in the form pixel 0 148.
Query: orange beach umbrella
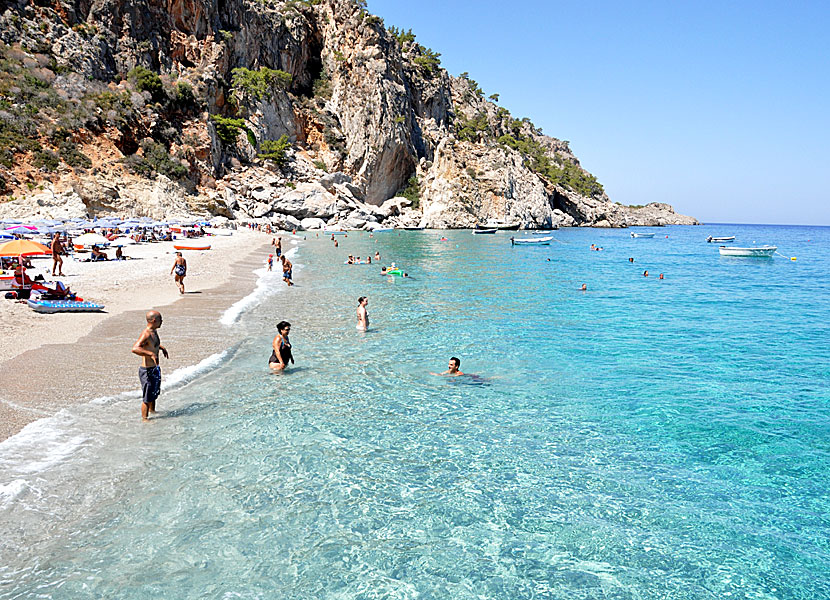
pixel 23 248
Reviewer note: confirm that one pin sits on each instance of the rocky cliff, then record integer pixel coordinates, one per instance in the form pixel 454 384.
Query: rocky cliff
pixel 263 109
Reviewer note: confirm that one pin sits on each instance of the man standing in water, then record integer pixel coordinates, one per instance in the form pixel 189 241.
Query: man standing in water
pixel 147 347
pixel 286 269
pixel 278 247
pixel 362 314
pixel 180 270
pixel 57 250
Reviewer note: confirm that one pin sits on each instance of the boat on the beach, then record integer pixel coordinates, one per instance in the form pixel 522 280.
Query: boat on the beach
pixel 499 226
pixel 57 306
pixel 542 241
pixel 190 247
pixel 478 231
pixel 756 252
pixel 642 235
pixel 721 240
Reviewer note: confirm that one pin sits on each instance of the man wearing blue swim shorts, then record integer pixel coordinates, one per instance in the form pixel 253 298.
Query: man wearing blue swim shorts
pixel 148 347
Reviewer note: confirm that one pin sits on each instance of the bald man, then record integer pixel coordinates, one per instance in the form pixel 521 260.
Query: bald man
pixel 147 347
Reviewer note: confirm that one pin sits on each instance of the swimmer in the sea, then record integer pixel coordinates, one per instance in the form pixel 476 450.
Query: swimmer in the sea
pixel 452 369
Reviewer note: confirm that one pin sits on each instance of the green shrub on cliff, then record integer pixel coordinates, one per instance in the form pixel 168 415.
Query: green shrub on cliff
pixel 257 84
pixel 471 130
pixel 275 150
pixel 403 37
pixel 227 128
pixel 145 80
pixel 560 171
pixel 156 159
pixel 411 191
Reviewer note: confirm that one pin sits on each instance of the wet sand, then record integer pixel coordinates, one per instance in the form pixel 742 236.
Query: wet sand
pixel 46 379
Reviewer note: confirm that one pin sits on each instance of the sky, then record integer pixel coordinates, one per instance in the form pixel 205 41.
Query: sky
pixel 721 109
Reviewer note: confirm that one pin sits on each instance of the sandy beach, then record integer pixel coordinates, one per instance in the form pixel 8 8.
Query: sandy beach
pixel 51 361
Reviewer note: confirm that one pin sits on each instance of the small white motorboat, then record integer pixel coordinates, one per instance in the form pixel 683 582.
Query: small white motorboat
pixel 642 235
pixel 721 240
pixel 483 231
pixel 757 252
pixel 540 241
pixel 383 230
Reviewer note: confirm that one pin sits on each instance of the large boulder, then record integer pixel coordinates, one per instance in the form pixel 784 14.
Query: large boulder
pixel 311 223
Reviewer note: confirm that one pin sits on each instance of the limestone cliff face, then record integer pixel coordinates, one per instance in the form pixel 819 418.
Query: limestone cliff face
pixel 367 112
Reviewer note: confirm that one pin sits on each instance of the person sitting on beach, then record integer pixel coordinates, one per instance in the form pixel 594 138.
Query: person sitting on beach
pixel 97 254
pixel 119 254
pixel 453 368
pixel 179 271
pixel 286 270
pixel 362 314
pixel 281 348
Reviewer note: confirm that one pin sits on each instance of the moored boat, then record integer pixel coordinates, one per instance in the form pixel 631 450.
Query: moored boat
pixel 478 231
pixel 756 252
pixel 642 235
pixel 721 240
pixel 499 225
pixel 542 241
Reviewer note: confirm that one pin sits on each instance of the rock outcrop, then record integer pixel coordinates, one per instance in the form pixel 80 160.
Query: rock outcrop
pixel 292 112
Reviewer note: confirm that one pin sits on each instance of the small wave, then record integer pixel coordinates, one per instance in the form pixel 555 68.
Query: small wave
pixel 264 285
pixel 49 441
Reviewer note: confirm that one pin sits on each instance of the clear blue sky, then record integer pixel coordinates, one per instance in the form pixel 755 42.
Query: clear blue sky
pixel 719 108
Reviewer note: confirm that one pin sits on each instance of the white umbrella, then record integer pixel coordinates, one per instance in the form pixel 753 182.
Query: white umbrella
pixel 90 239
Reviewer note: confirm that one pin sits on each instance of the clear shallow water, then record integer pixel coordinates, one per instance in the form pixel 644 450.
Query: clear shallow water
pixel 646 439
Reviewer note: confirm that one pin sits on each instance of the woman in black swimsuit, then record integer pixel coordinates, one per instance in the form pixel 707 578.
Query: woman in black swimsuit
pixel 281 353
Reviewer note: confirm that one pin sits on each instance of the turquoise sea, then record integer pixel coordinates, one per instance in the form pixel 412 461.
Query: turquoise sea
pixel 646 439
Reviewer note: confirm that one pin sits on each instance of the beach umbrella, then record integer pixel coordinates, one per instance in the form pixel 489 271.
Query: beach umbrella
pixel 23 248
pixel 90 239
pixel 21 228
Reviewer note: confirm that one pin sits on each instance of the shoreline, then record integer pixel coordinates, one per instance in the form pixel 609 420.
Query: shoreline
pixel 84 359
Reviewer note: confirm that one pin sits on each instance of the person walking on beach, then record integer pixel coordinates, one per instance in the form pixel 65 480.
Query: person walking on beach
pixel 286 270
pixel 278 247
pixel 57 250
pixel 179 271
pixel 281 348
pixel 148 347
pixel 362 314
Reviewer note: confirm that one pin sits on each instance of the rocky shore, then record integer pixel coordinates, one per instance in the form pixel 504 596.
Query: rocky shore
pixel 295 113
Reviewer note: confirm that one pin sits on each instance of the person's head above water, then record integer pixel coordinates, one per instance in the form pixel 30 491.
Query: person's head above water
pixel 362 300
pixel 283 327
pixel 454 365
